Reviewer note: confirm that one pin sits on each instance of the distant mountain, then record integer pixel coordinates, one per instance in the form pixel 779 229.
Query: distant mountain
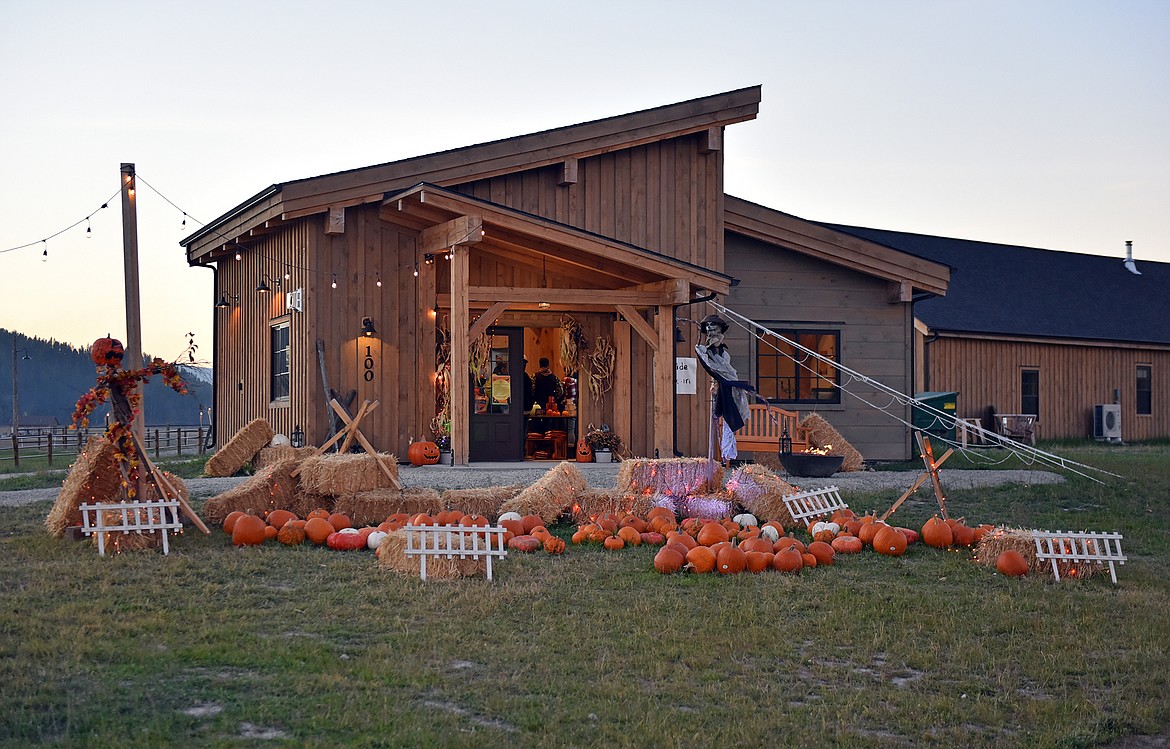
pixel 56 374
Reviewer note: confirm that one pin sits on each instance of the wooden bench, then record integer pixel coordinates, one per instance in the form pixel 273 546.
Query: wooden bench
pixel 761 432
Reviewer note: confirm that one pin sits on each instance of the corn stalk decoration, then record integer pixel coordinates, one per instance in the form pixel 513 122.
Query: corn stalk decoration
pixel 601 365
pixel 574 345
pixel 479 360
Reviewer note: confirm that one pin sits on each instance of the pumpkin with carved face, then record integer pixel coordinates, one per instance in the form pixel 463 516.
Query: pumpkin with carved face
pixel 107 352
pixel 423 453
pixel 584 451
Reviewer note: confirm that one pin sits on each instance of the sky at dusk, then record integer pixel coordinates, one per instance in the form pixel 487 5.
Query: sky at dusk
pixel 1044 124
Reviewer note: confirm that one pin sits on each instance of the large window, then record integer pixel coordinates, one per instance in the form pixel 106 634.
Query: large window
pixel 1030 392
pixel 787 375
pixel 1144 396
pixel 280 339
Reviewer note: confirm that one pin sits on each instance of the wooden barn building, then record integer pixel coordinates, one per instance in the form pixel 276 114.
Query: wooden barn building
pixel 1065 337
pixel 384 280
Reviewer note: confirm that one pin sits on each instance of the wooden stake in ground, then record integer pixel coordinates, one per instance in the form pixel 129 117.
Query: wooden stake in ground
pixel 350 432
pixel 932 467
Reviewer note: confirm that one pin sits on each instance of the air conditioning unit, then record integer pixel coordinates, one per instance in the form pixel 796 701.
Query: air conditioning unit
pixel 1107 422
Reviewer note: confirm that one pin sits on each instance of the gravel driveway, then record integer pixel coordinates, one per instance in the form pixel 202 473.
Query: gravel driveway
pixel 604 475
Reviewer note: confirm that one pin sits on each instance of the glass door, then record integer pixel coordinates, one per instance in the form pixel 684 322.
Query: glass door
pixel 497 408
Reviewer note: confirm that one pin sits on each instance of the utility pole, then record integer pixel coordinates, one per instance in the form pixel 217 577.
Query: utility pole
pixel 16 403
pixel 133 303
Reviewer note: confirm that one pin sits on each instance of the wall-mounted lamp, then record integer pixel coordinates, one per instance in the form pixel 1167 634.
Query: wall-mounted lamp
pixel 226 299
pixel 678 335
pixel 544 305
pixel 368 327
pixel 262 287
pixel 429 259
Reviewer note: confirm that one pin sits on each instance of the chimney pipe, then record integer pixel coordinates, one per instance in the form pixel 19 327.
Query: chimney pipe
pixel 1129 264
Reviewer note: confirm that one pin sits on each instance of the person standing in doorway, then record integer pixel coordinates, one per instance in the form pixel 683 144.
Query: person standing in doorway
pixel 547 385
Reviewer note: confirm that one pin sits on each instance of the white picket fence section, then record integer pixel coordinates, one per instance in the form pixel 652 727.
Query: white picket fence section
pixel 814 504
pixel 136 517
pixel 451 541
pixel 1096 548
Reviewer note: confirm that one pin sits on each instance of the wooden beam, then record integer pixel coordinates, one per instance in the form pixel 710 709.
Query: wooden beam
pixel 638 323
pixel 670 291
pixel 484 321
pixel 663 379
pixel 568 172
pixel 458 231
pixel 711 140
pixel 901 291
pixel 622 382
pixel 460 357
pixel 563 296
pixel 335 222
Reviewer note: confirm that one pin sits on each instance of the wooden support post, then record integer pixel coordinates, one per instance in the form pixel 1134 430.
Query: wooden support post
pixel 664 384
pixel 133 300
pixel 622 382
pixel 460 357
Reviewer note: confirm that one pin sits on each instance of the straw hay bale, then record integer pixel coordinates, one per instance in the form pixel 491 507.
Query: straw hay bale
pixel 677 477
pixel 346 475
pixel 484 501
pixel 373 506
pixel 392 555
pixel 761 492
pixel 118 541
pixel 821 434
pixel 1001 539
pixel 270 455
pixel 304 502
pixel 551 495
pixel 239 449
pixel 706 506
pixel 93 477
pixel 595 502
pixel 271 488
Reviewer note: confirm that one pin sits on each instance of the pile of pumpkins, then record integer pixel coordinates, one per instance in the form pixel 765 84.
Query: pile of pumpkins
pixel 730 546
pixel 319 527
pixel 619 531
pixel 527 533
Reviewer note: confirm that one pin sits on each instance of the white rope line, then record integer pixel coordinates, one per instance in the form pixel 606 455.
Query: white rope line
pixel 1028 454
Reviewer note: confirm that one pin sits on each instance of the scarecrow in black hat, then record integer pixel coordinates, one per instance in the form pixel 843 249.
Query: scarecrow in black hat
pixel 730 393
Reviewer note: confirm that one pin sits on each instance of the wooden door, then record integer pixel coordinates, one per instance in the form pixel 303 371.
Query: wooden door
pixel 497 408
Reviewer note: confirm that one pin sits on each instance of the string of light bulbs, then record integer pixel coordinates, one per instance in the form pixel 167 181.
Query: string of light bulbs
pixel 1027 453
pixel 85 219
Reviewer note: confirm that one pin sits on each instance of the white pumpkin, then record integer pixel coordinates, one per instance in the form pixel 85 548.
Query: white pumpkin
pixel 769 532
pixel 280 440
pixel 510 516
pixel 374 540
pixel 745 519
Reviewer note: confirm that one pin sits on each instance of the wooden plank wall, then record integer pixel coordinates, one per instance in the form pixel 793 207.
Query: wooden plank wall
pixel 789 289
pixel 1073 378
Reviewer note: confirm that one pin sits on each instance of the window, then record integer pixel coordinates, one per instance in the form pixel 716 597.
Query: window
pixel 1144 396
pixel 1030 392
pixel 280 342
pixel 785 375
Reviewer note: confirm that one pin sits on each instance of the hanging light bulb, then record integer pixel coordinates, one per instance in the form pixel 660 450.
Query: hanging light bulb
pixel 237 254
pixel 88 229
pixel 379 280
pixel 287 268
pixel 416 271
pixel 45 254
pixel 334 284
pixel 183 226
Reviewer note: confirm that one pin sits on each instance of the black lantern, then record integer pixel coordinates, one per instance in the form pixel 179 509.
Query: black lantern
pixel 785 441
pixel 297 439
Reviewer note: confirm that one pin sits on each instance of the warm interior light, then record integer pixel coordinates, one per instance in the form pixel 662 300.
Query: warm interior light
pixel 544 305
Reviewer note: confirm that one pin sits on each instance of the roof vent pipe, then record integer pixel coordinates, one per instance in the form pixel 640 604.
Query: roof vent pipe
pixel 1129 265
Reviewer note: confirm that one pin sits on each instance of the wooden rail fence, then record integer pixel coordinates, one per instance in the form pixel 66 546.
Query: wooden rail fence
pixel 59 445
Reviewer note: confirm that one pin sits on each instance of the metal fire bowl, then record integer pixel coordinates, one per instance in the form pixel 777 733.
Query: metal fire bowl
pixel 811 465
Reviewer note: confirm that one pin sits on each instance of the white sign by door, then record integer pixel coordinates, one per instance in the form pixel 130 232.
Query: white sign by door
pixel 685 375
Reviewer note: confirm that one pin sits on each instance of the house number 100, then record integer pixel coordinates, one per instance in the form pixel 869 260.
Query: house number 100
pixel 368 375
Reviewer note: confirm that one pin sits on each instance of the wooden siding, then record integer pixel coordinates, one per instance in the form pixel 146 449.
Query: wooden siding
pixel 665 197
pixel 1073 378
pixel 784 288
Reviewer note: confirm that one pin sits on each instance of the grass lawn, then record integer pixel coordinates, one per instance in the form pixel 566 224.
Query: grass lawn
pixel 217 646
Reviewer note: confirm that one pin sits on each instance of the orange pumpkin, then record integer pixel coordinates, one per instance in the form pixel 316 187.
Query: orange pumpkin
pixel 730 560
pixel 277 518
pixel 659 512
pixel 711 534
pixel 422 453
pixel 869 531
pixel 421 518
pixel 525 544
pixel 847 544
pixel 788 560
pixel 318 513
pixel 554 545
pixel 889 541
pixel 964 536
pixel 229 522
pixel 107 352
pixel 1012 563
pixel 668 560
pixel 318 529
pixel 291 535
pixel 822 551
pixel 340 521
pixel 248 531
pixel 630 536
pixel 701 559
pixel 614 543
pixel 809 560
pixel 757 544
pixel 758 561
pixel 269 532
pixel 937 533
pixel 530 521
pixel 516 527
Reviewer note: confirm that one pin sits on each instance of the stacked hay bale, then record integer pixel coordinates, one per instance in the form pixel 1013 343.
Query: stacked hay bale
pixel 594 502
pixel 93 477
pixel 761 492
pixel 999 540
pixel 270 488
pixel 278 454
pixel 677 477
pixel 551 495
pixel 481 501
pixel 375 505
pixel 240 449
pixel 392 556
pixel 822 435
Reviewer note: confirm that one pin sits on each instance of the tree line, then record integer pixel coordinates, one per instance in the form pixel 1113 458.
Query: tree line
pixel 56 374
